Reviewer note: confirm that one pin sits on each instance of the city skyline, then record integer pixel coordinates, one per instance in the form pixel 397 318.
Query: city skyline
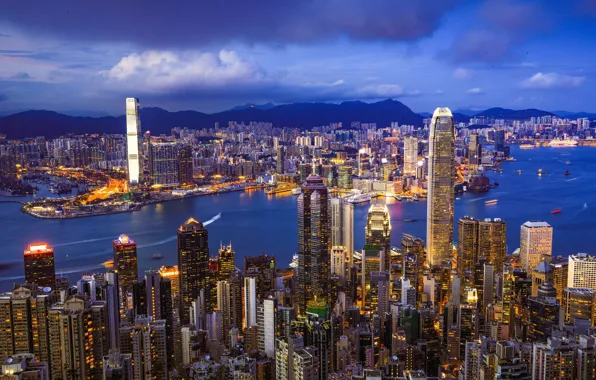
pixel 287 56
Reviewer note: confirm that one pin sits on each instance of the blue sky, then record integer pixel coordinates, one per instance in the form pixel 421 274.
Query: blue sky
pixel 74 54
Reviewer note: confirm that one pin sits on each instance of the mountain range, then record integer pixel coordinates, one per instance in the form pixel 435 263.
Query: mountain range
pixel 302 115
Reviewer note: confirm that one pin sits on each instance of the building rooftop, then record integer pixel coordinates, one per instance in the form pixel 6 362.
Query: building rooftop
pixel 536 224
pixel 583 257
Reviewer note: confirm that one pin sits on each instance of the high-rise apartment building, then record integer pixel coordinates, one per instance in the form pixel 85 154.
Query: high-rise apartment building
pixel 410 156
pixel 164 164
pixel 111 295
pixel 148 339
pixel 579 303
pixel 342 225
pixel 193 265
pixel 250 302
pixel 126 263
pixel 279 162
pixel 224 305
pixel 185 165
pixel 117 366
pixel 314 242
pixel 39 266
pixel 582 271
pixel 378 232
pixel 134 149
pixel 536 239
pixel 441 179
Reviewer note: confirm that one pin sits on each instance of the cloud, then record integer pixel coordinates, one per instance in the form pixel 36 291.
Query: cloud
pixel 21 76
pixel 514 16
pixel 439 92
pixel 180 23
pixel 159 71
pixel 3 98
pixel 475 91
pixel 544 81
pixel 461 73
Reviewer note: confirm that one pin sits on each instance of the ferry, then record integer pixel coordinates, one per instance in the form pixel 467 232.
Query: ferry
pixel 562 143
pixel 568 162
pixel 491 202
pixel 297 191
pixel 362 198
pixel 541 172
pixel 526 146
pixel 518 171
pixel 556 211
pixel 157 256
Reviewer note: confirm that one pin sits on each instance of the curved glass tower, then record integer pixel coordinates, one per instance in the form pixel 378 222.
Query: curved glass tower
pixel 441 179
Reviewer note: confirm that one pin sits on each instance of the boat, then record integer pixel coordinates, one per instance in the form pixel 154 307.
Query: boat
pixel 556 211
pixel 491 202
pixel 568 162
pixel 410 220
pixel 297 191
pixel 541 172
pixel 566 172
pixel 526 146
pixel 562 143
pixel 457 199
pixel 157 256
pixel 108 263
pixel 362 198
pixel 518 171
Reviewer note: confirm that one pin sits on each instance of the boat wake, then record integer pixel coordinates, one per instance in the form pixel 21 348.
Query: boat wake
pixel 573 179
pixel 216 217
pixel 99 239
pixel 172 238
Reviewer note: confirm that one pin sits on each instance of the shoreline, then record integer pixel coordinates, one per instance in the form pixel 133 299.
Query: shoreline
pixel 110 212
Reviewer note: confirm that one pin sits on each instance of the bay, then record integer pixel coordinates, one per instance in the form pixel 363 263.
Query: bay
pixel 254 222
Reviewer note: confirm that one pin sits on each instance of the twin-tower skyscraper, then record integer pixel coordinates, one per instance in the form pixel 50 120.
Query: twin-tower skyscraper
pixel 441 181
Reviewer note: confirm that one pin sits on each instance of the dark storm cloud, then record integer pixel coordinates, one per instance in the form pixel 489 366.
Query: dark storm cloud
pixel 182 23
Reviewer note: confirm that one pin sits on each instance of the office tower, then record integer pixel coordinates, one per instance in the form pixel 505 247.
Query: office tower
pixel 117 366
pixel 164 164
pixel 474 153
pixel 226 262
pixel 378 232
pixel 305 170
pixel 579 303
pixel 467 247
pixel 193 265
pixel 133 142
pixel 411 244
pixel 261 267
pixel 23 326
pixel 372 261
pixel 340 262
pixel 536 239
pixel 560 266
pixel 111 294
pixel 171 272
pixel 236 282
pixel 79 338
pixel 318 334
pixel 410 269
pixel 149 348
pixel 488 292
pixel 39 266
pixel 508 298
pixel 441 179
pixel 344 175
pixel 185 166
pixel 586 358
pixel 544 313
pixel 410 156
pixel 582 271
pixel 492 242
pixel 314 242
pixel 555 359
pixel 281 157
pixel 125 263
pixel 224 304
pixel 342 225
pixel 500 141
pixel 250 302
pixel 363 163
pixel 467 322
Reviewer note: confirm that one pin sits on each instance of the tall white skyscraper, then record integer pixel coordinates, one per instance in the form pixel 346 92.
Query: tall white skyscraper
pixel 342 225
pixel 133 142
pixel 441 179
pixel 250 302
pixel 536 239
pixel 410 156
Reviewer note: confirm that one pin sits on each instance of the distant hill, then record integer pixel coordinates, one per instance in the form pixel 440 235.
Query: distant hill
pixel 504 113
pixel 265 106
pixel 159 121
pixel 575 115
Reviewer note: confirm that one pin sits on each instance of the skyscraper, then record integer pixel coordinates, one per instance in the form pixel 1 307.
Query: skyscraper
pixel 441 179
pixel 226 261
pixel 536 240
pixel 474 153
pixel 185 165
pixel 193 265
pixel 342 225
pixel 250 302
pixel 111 294
pixel 39 266
pixel 164 164
pixel 378 232
pixel 467 247
pixel 477 239
pixel 410 156
pixel 314 242
pixel 582 271
pixel 281 157
pixel 344 177
pixel 125 263
pixel 133 142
